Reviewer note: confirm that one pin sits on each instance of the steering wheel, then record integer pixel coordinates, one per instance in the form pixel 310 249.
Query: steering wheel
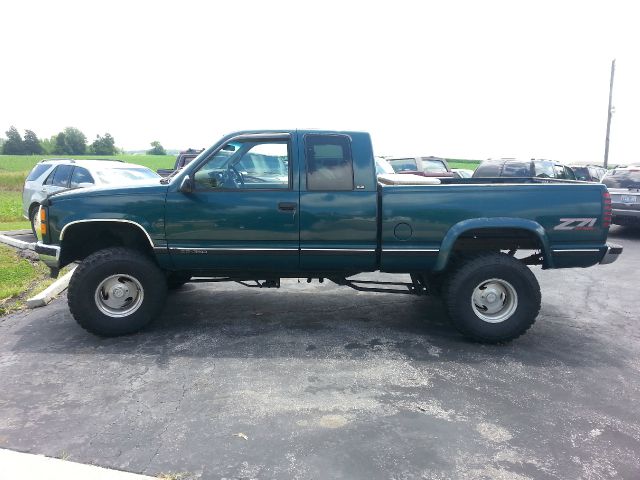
pixel 239 178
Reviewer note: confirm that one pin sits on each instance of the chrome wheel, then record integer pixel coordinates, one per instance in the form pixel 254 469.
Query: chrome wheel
pixel 494 300
pixel 119 295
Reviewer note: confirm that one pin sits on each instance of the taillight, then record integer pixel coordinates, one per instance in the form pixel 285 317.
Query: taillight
pixel 607 213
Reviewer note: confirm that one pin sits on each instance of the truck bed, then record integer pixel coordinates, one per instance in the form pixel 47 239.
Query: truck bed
pixel 417 222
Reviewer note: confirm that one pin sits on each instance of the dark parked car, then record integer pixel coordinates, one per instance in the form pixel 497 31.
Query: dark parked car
pixel 512 167
pixel 624 187
pixel 182 160
pixel 588 173
pixel 423 166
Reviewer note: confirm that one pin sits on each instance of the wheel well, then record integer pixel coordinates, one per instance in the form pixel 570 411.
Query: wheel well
pixel 496 239
pixel 83 239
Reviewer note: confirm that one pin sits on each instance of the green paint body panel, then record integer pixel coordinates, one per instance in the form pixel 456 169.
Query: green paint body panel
pixel 388 228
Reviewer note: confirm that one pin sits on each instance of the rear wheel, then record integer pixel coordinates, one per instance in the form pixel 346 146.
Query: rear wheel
pixel 492 298
pixel 116 291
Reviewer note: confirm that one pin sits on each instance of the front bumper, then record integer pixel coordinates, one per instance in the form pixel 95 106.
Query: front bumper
pixel 49 254
pixel 611 254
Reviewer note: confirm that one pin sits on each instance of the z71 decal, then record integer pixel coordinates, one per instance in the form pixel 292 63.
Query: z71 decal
pixel 576 224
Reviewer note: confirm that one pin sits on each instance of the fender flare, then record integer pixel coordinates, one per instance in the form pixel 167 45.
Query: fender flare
pixel 459 228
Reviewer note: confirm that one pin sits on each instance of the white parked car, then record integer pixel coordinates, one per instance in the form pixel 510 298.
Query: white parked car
pixel 53 175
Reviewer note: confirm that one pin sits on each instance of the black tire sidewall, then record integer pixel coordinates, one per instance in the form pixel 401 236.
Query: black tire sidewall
pixel 98 267
pixel 32 214
pixel 459 299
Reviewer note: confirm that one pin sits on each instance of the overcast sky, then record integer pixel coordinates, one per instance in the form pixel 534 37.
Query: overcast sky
pixel 461 79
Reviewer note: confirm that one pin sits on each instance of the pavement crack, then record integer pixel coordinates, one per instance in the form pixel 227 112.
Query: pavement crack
pixel 166 427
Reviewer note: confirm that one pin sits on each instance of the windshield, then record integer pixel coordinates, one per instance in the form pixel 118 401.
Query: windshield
pixel 125 175
pixel 623 179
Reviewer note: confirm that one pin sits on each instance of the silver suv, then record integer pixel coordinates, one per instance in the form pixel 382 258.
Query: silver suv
pixel 52 175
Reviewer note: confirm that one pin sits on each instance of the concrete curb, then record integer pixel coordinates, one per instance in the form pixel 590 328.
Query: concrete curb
pixel 25 466
pixel 12 242
pixel 49 293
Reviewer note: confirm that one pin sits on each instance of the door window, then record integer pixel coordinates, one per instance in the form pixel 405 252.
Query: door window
pixel 49 180
pixel 329 162
pixel 246 165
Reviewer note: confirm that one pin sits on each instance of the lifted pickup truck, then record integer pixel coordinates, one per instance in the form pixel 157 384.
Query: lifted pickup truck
pixel 259 206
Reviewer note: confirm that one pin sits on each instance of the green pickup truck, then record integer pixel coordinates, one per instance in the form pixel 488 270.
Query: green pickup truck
pixel 259 206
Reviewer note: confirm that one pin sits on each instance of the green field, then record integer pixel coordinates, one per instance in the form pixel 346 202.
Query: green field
pixel 24 163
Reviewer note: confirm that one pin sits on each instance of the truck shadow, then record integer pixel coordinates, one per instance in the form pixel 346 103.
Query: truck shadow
pixel 207 321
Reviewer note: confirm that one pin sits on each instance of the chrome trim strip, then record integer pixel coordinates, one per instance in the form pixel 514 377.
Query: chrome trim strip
pixel 107 220
pixel 233 249
pixel 570 250
pixel 411 250
pixel 337 250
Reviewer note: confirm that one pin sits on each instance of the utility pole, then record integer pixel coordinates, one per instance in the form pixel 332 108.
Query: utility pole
pixel 609 113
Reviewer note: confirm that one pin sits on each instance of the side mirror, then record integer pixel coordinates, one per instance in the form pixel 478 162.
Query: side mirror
pixel 186 185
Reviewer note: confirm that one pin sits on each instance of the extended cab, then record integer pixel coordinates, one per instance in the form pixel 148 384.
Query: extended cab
pixel 259 206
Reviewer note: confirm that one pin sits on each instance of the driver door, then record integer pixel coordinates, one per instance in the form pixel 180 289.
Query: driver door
pixel 243 211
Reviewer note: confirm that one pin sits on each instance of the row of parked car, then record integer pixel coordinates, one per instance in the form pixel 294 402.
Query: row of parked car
pixel 500 167
pixel 623 182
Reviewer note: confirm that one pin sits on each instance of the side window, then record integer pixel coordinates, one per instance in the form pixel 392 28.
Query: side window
pixel 246 165
pixel 49 180
pixel 61 175
pixel 544 169
pixel 559 171
pixel 568 174
pixel 329 162
pixel 37 171
pixel 80 175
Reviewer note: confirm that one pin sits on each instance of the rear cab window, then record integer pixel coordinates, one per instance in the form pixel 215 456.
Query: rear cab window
pixel 329 162
pixel 517 169
pixel 544 169
pixel 404 164
pixel 434 166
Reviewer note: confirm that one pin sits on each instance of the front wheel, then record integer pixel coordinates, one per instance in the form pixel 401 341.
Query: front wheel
pixel 116 291
pixel 492 298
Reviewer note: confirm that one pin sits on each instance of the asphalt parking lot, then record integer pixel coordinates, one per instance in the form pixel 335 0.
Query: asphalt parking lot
pixel 318 381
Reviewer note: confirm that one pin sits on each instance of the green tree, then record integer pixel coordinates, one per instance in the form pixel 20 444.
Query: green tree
pixel 48 145
pixel 60 146
pixel 156 149
pixel 31 143
pixel 103 145
pixel 75 141
pixel 13 145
